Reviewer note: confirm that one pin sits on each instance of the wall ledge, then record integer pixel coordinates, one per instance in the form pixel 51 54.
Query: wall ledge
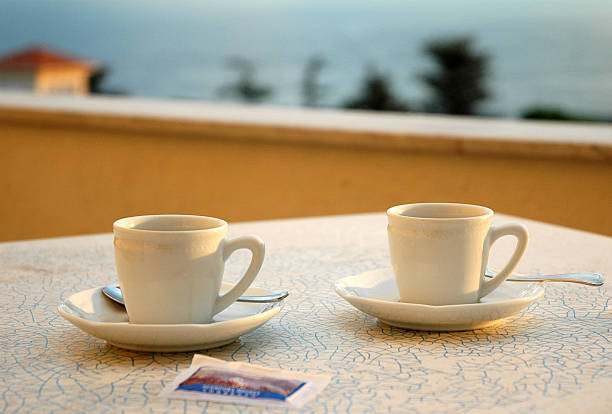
pixel 306 126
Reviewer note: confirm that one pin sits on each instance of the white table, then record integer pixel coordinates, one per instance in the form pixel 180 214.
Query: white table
pixel 556 357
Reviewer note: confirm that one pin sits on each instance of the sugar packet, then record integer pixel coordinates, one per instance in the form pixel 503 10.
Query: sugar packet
pixel 213 379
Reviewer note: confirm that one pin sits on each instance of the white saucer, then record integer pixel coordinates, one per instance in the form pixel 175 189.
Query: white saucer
pixel 95 314
pixel 375 293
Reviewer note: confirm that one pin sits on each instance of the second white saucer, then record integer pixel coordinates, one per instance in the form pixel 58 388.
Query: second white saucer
pixel 95 314
pixel 375 293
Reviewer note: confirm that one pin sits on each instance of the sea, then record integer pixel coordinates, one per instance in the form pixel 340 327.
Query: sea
pixel 547 52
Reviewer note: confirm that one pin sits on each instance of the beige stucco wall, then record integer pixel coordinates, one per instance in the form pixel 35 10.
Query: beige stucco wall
pixel 64 174
pixel 71 80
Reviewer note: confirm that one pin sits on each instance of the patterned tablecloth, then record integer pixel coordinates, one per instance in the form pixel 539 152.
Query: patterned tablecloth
pixel 555 357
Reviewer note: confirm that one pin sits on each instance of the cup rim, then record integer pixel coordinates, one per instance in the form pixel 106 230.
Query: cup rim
pixel 396 211
pixel 122 224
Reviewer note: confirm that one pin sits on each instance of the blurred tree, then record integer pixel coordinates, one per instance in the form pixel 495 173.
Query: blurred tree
pixel 376 94
pixel 312 91
pixel 97 80
pixel 246 87
pixel 557 114
pixel 458 83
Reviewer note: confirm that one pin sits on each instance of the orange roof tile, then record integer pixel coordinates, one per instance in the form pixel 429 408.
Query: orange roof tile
pixel 36 57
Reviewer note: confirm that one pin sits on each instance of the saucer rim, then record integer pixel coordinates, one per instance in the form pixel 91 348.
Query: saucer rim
pixel 68 314
pixel 440 318
pixel 537 289
pixel 169 337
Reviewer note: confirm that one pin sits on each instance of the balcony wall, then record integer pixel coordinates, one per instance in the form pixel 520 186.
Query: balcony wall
pixel 74 165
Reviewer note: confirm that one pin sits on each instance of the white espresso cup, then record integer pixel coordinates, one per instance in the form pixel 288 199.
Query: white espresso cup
pixel 170 267
pixel 439 251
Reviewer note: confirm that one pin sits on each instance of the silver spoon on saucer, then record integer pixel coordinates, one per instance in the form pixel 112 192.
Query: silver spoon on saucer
pixel 113 292
pixel 586 278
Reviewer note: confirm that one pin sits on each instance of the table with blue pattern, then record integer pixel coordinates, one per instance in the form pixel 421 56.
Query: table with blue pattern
pixel 554 357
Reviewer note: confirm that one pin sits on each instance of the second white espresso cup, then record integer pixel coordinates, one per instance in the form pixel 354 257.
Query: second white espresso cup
pixel 440 251
pixel 170 267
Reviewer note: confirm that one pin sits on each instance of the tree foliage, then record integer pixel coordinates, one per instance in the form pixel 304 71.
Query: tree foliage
pixel 97 82
pixel 312 91
pixel 458 83
pixel 376 94
pixel 245 88
pixel 553 113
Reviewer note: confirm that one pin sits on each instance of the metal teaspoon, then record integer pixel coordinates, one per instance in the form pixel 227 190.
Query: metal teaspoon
pixel 114 293
pixel 586 278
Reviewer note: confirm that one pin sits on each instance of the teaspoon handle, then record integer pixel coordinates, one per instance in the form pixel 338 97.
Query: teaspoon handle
pixel 273 297
pixel 114 293
pixel 586 278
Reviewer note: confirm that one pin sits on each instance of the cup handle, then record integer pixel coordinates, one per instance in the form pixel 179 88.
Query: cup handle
pixel 522 236
pixel 257 248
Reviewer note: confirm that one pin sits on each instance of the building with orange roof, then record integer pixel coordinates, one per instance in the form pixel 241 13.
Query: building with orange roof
pixel 44 70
